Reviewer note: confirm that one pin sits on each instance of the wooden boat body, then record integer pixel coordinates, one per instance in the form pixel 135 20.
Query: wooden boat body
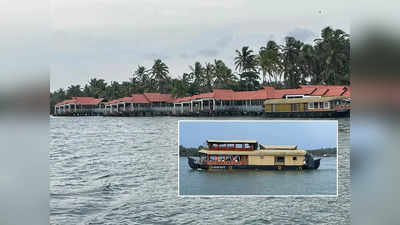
pixel 250 157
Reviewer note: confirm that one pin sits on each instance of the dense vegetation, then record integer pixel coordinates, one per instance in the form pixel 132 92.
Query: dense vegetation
pixel 183 151
pixel 323 151
pixel 325 61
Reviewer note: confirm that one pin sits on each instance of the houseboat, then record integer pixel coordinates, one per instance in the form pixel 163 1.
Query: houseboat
pixel 249 154
pixel 333 106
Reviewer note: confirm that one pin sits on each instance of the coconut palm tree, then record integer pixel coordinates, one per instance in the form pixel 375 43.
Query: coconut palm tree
pixel 141 79
pixel 209 76
pixel 246 63
pixel 291 61
pixel 224 78
pixel 245 60
pixel 159 73
pixel 333 49
pixel 269 62
pixel 197 74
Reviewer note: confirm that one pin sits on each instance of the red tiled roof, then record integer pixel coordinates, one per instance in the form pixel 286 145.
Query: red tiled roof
pixel 158 97
pixel 320 91
pixel 81 101
pixel 347 92
pixel 144 98
pixel 88 100
pixel 140 99
pixel 298 91
pixel 250 95
pixel 183 99
pixel 223 94
pixel 329 90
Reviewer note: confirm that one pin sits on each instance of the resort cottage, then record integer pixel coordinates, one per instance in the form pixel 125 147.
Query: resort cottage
pixel 80 106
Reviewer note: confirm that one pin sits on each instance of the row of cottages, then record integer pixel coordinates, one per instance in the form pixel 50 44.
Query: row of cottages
pixel 80 106
pixel 140 104
pixel 267 100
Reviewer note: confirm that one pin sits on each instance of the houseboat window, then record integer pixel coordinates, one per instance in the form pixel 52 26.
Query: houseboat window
pixel 310 105
pixel 294 158
pixel 316 105
pixel 321 105
pixel 326 105
pixel 212 157
pixel 295 107
pixel 280 159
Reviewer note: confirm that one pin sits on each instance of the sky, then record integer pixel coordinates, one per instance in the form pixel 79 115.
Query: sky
pixel 305 134
pixel 109 39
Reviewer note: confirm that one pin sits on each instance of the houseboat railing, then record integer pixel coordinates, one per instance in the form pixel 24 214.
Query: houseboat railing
pixel 240 108
pixel 226 163
pixel 94 110
pixel 231 149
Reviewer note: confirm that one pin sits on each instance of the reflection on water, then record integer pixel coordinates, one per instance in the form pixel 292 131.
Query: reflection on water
pixel 125 171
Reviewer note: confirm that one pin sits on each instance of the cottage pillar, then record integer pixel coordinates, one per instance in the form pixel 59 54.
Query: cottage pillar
pixel 214 104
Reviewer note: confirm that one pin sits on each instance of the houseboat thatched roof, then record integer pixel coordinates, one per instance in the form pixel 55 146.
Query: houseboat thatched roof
pixel 256 152
pixel 233 141
pixel 278 147
pixel 302 100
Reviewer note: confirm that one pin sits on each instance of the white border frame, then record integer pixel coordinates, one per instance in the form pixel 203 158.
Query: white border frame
pixel 276 196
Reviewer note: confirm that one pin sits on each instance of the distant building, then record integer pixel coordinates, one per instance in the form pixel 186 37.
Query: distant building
pixel 80 106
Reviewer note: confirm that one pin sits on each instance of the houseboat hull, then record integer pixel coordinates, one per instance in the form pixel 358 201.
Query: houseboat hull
pixel 314 164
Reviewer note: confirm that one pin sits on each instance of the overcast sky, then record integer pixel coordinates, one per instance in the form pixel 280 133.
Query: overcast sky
pixel 109 39
pixel 305 134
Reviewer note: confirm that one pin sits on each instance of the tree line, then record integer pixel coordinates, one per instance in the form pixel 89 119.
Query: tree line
pixel 325 61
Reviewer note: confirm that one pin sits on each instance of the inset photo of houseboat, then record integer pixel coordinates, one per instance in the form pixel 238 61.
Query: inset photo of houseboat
pixel 260 158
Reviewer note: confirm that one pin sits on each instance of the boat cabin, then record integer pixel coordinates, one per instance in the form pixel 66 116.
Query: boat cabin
pixel 232 145
pixel 254 158
pixel 248 154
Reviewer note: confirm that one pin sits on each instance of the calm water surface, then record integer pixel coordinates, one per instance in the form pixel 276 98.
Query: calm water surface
pixel 125 171
pixel 258 182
